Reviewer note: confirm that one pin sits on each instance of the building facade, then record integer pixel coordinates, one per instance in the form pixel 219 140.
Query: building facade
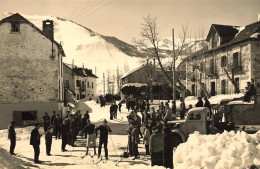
pixel 230 61
pixel 80 81
pixel 31 71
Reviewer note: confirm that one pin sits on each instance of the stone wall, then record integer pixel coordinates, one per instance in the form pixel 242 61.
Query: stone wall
pixel 28 72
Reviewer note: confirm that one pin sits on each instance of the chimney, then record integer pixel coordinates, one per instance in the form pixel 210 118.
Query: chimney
pixel 47 27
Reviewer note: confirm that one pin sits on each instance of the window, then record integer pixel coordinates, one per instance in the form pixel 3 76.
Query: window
pixel 15 27
pixel 223 87
pixel 223 61
pixel 88 84
pixel 83 85
pixel 195 116
pixel 78 83
pixel 212 66
pixel 236 60
pixel 92 85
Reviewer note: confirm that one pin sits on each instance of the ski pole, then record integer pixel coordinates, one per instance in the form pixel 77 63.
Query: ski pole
pixel 113 145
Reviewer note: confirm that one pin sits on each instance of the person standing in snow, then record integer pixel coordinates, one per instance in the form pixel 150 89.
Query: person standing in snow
pixel 147 116
pixel 182 108
pixel 12 137
pixel 111 111
pixel 115 110
pixel 64 135
pixel 135 140
pixel 119 106
pixel 147 135
pixel 84 123
pixel 35 142
pixel 53 117
pixel 138 121
pixel 168 113
pixel 130 145
pixel 156 147
pixel 199 103
pixel 46 121
pixel 73 130
pixel 48 141
pixel 57 123
pixel 168 147
pixel 103 139
pixel 208 105
pixel 91 136
pixel 174 109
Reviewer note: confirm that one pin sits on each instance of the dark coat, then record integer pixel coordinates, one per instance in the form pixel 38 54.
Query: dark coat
pixel 64 130
pixel 35 137
pixel 11 133
pixel 89 129
pixel 53 117
pixel 48 137
pixel 103 132
pixel 199 104
pixel 46 119
pixel 207 104
pixel 168 140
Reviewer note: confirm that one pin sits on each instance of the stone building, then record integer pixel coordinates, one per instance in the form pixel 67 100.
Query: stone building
pixel 80 81
pixel 231 59
pixel 31 71
pixel 145 76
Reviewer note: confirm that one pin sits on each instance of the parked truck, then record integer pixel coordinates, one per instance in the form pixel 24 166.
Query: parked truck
pixel 238 115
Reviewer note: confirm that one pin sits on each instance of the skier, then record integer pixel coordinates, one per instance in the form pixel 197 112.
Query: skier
pixel 199 103
pixel 156 147
pixel 48 141
pixel 103 139
pixel 135 140
pixel 46 121
pixel 91 136
pixel 12 137
pixel 35 142
pixel 168 147
pixel 64 135
pixel 138 121
pixel 182 108
pixel 129 131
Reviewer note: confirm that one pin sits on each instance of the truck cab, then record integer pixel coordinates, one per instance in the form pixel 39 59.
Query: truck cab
pixel 197 119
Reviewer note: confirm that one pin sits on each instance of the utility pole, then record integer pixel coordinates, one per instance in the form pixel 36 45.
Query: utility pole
pixel 104 83
pixel 173 69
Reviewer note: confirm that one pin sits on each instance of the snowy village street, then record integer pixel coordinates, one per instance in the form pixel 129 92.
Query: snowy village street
pixel 73 157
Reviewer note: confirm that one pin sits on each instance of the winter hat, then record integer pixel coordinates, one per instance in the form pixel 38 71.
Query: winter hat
pixel 12 122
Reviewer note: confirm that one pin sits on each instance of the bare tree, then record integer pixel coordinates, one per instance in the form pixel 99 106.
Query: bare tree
pixel 150 41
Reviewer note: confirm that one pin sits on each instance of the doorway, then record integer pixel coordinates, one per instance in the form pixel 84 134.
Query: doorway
pixel 213 89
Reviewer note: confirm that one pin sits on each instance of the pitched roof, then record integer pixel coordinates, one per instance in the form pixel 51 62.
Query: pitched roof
pixel 224 31
pixel 19 18
pixel 133 70
pixel 241 35
pixel 80 71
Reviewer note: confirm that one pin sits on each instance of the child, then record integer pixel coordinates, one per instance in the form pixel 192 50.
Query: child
pixel 48 141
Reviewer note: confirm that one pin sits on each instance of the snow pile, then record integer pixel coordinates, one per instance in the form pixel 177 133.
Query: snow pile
pixel 213 100
pixel 21 133
pixel 228 150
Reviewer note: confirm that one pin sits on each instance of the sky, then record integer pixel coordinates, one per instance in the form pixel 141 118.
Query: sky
pixel 123 18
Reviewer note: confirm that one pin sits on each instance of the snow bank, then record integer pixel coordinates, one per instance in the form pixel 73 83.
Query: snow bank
pixel 228 150
pixel 213 100
pixel 21 133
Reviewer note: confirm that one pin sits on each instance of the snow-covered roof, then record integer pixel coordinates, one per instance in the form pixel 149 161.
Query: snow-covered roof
pixel 133 70
pixel 134 85
pixel 239 102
